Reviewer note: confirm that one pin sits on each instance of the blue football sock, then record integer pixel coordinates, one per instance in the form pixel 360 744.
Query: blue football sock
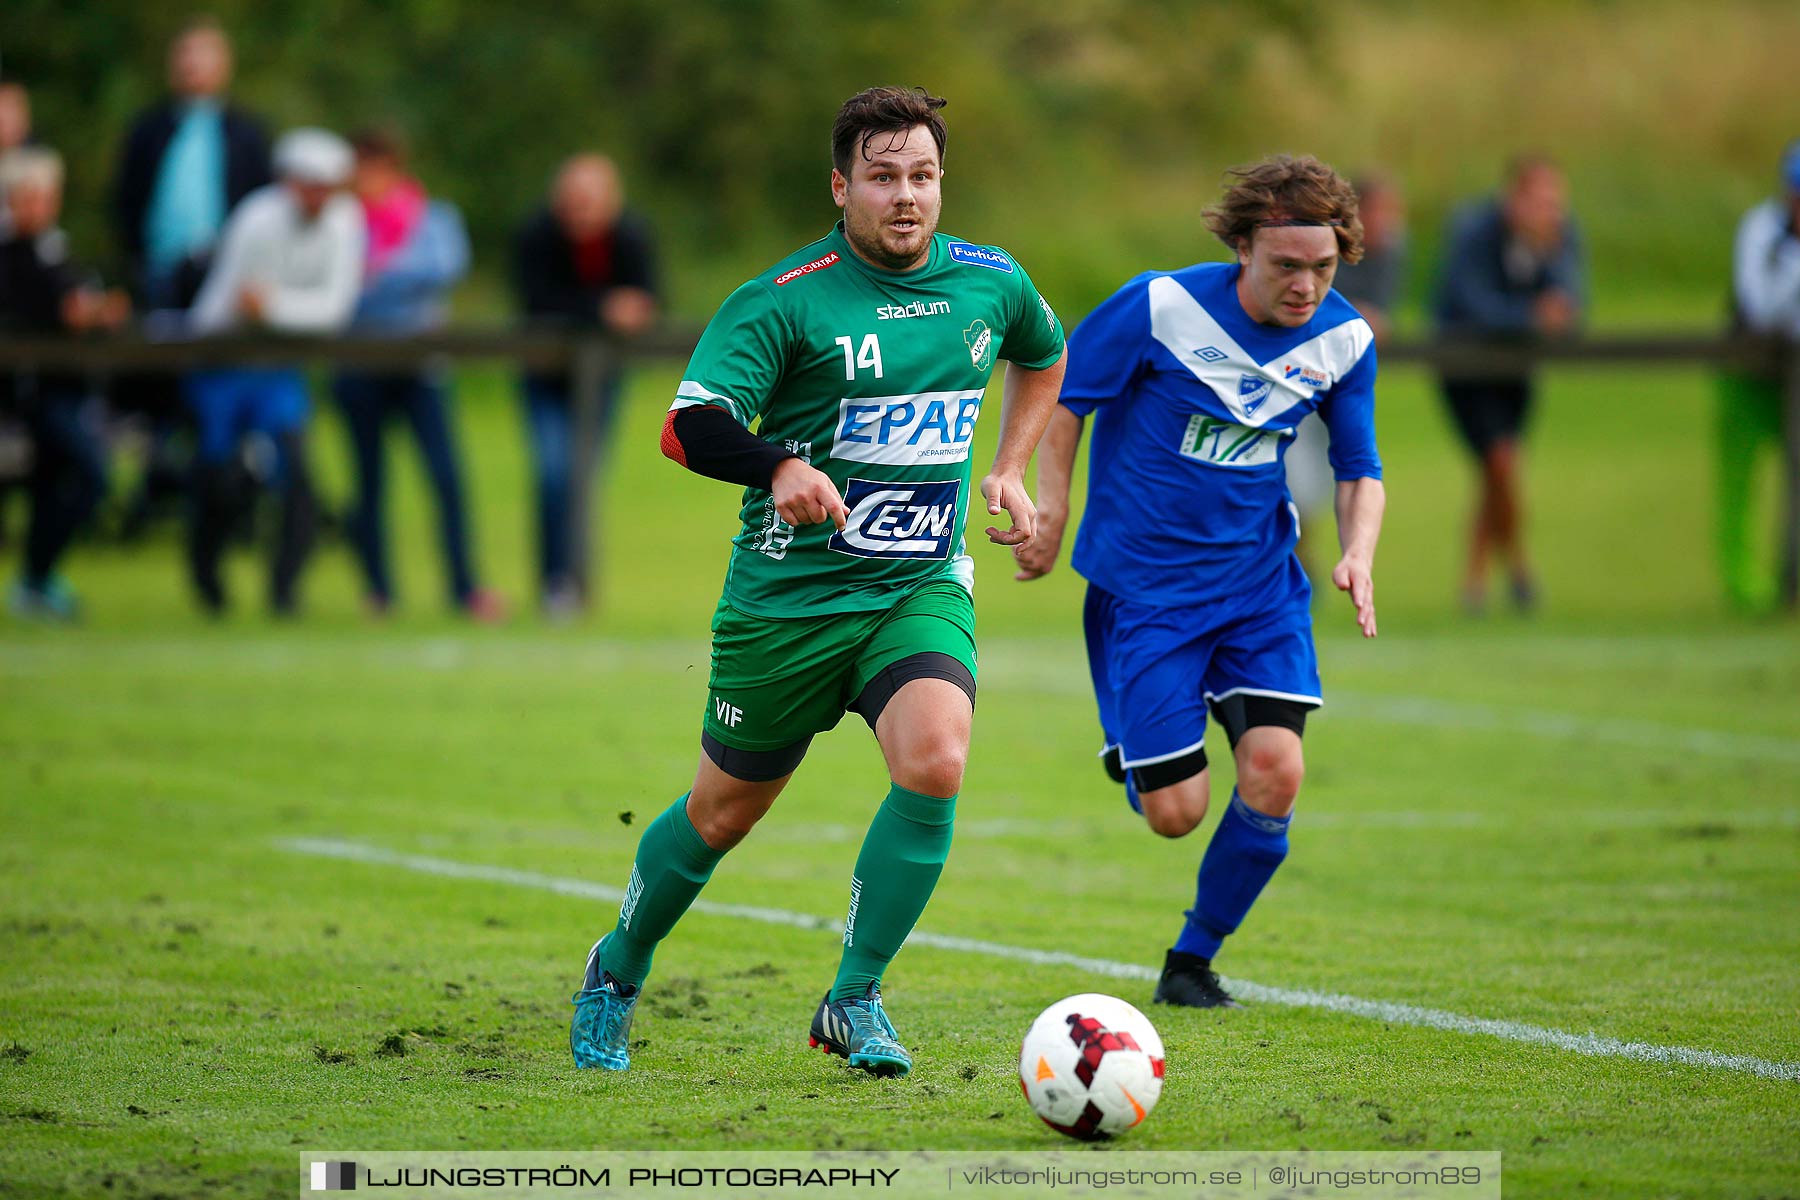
pixel 1244 852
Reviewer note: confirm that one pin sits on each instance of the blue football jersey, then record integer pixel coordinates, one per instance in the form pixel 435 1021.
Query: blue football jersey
pixel 1194 405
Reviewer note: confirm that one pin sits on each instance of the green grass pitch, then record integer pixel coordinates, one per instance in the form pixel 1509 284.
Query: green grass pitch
pixel 1589 823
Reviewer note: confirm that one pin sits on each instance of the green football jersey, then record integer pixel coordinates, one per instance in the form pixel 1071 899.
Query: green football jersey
pixel 875 378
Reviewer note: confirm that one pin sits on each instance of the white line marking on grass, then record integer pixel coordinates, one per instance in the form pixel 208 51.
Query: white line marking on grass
pixel 1376 1010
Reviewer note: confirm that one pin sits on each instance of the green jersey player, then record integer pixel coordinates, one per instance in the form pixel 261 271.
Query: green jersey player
pixel 861 361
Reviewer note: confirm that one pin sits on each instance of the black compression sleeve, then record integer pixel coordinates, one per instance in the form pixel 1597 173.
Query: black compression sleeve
pixel 708 441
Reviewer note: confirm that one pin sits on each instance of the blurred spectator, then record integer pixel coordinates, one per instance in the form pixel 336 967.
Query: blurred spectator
pixel 15 131
pixel 1512 269
pixel 1765 293
pixel 290 261
pixel 15 115
pixel 582 262
pixel 417 251
pixel 186 164
pixel 1373 285
pixel 42 292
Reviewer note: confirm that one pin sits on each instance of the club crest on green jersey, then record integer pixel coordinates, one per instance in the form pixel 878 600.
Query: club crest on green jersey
pixel 980 340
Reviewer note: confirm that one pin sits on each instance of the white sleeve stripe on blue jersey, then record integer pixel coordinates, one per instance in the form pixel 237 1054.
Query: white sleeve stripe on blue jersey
pixel 1198 342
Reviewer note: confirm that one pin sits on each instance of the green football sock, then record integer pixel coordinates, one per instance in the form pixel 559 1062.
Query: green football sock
pixel 673 864
pixel 899 865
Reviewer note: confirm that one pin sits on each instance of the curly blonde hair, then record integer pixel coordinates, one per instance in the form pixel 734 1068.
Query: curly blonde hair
pixel 1288 190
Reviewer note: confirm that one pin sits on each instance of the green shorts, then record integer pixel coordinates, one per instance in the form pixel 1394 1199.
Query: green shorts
pixel 778 681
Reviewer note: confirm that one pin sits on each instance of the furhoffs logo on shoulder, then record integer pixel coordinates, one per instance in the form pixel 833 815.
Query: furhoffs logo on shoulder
pixel 817 264
pixel 334 1177
pixel 980 256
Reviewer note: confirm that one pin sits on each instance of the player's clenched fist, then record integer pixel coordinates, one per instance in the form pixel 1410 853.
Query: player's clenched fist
pixel 805 495
pixel 1007 492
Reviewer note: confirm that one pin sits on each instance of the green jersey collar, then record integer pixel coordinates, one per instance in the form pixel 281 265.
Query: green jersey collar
pixel 841 244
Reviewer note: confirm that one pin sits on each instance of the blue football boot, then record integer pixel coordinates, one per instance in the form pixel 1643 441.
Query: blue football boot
pixel 600 1034
pixel 858 1030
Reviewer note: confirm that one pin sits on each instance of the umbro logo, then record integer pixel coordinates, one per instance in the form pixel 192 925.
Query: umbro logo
pixel 1211 354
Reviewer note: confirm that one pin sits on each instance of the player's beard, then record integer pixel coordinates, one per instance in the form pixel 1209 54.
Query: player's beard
pixel 875 240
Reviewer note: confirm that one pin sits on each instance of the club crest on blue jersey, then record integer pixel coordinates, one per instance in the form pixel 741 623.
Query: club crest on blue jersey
pixel 898 520
pixel 980 256
pixel 906 431
pixel 1252 391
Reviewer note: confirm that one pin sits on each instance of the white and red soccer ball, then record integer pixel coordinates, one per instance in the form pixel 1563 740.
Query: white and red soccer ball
pixel 1091 1066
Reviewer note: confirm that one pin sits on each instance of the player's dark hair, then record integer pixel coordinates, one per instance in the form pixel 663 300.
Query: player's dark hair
pixel 1521 166
pixel 1287 190
pixel 379 141
pixel 878 110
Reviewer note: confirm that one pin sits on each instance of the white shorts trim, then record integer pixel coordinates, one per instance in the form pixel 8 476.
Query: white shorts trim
pixel 1108 749
pixel 1315 701
pixel 1146 762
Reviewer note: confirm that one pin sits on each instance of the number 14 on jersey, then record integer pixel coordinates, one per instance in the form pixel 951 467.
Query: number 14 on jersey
pixel 866 357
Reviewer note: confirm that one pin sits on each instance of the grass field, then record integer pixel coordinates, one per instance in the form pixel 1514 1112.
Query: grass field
pixel 1585 824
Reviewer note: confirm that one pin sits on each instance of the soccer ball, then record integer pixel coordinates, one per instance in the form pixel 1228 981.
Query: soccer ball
pixel 1091 1066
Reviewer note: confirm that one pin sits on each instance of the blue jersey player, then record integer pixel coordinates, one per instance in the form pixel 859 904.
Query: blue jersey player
pixel 1196 381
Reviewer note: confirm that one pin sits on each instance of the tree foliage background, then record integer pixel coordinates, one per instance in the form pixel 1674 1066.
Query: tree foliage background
pixel 1085 135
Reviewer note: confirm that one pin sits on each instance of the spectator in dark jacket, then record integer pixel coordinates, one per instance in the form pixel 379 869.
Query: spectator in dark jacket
pixel 186 163
pixel 42 292
pixel 1513 269
pixel 583 263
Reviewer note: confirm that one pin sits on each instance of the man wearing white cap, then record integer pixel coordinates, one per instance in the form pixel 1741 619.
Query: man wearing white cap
pixel 290 260
pixel 1765 295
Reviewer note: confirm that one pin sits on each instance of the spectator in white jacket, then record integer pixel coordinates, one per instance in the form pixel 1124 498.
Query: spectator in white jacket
pixel 1765 299
pixel 289 261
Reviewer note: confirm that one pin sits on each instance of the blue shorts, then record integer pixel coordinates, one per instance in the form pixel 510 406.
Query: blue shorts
pixel 1156 669
pixel 234 401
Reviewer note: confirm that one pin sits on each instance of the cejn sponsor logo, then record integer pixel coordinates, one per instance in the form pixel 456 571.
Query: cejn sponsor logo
pixel 906 431
pixel 898 520
pixel 918 308
pixel 980 256
pixel 817 264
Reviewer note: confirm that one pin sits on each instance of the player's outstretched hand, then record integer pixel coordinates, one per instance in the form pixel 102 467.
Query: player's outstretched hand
pixel 1008 492
pixel 805 495
pixel 1038 556
pixel 1352 575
